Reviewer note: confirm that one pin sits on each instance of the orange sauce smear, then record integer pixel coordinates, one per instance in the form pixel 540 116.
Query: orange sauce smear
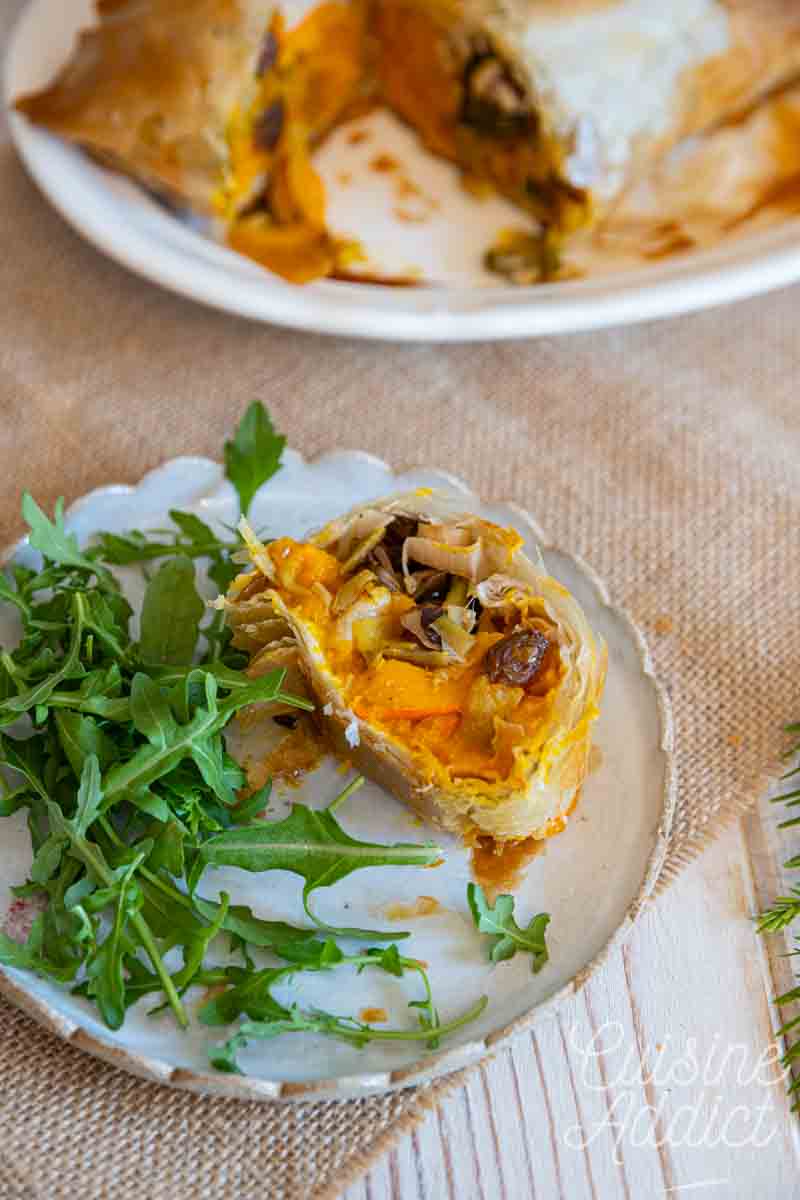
pixel 372 1016
pixel 299 753
pixel 499 866
pixel 423 906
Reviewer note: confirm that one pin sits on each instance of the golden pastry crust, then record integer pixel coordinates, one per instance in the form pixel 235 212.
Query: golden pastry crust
pixel 152 87
pixel 470 750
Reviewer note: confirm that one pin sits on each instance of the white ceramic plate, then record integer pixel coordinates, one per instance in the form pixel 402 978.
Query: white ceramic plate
pixel 592 879
pixel 446 246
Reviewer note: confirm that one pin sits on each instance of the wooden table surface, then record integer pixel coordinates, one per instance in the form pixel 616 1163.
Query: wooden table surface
pixel 660 1079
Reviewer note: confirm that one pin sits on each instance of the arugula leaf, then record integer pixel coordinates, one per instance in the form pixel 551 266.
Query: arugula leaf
pixel 152 762
pixel 151 803
pixel 27 757
pixel 388 959
pixel 104 970
pixel 171 614
pixel 254 454
pixel 13 596
pixel 311 844
pixel 107 615
pixel 189 912
pixel 28 958
pixel 99 694
pixel 196 946
pixel 150 711
pixel 165 910
pixel 314 954
pixel 90 854
pixel 208 754
pixel 167 852
pixel 81 736
pixel 51 539
pixel 243 812
pixel 256 931
pixel 124 550
pixel 90 796
pixel 200 535
pixel 193 538
pixel 71 667
pixel 251 997
pixel 507 937
pixel 47 859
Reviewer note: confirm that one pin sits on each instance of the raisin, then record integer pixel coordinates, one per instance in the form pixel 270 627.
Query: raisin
pixel 517 659
pixel 268 127
pixel 268 55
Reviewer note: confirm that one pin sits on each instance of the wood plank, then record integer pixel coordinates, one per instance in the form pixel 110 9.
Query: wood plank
pixel 683 1015
pixel 696 977
pixel 611 1061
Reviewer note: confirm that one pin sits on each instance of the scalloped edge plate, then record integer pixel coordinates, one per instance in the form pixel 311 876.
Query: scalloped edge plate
pixel 122 222
pixel 312 491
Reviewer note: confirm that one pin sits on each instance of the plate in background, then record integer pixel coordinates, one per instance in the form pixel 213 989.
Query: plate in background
pixel 123 222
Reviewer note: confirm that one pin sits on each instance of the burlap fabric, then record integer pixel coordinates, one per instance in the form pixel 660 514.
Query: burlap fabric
pixel 667 455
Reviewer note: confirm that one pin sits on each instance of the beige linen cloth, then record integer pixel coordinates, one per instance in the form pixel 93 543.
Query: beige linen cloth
pixel 667 455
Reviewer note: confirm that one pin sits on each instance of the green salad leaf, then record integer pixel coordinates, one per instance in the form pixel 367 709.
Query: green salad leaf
pixel 253 455
pixel 312 844
pixel 115 750
pixel 171 614
pixel 51 539
pixel 506 935
pixel 27 958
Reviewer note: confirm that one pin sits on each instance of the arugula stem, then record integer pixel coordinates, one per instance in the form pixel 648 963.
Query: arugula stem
pixel 295 701
pixel 406 1035
pixel 337 801
pixel 148 941
pixel 98 867
pixel 172 892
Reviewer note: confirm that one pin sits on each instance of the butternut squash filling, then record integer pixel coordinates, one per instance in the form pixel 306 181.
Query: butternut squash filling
pixel 411 650
pixel 273 200
pixel 451 85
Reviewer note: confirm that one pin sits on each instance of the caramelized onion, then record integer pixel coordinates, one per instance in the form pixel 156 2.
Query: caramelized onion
pixel 454 637
pixel 379 561
pixel 455 560
pixel 361 551
pixel 451 535
pixel 350 591
pixel 407 652
pixel 424 583
pixel 420 621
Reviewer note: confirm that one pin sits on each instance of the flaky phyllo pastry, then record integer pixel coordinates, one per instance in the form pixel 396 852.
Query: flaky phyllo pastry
pixel 558 104
pixel 445 664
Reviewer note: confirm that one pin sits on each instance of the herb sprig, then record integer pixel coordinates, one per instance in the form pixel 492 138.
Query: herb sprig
pixel 785 910
pixel 115 750
pixel 507 938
